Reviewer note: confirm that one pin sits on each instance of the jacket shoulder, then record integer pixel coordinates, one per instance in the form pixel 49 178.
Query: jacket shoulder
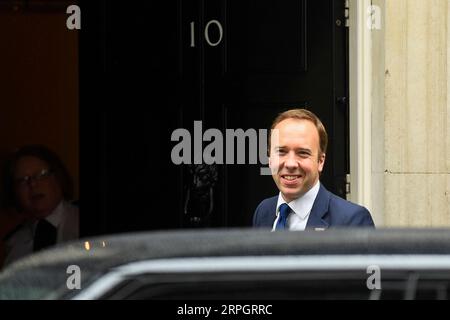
pixel 268 202
pixel 349 213
pixel 265 212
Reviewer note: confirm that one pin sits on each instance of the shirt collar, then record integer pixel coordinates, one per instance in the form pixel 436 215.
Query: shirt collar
pixel 301 206
pixel 56 216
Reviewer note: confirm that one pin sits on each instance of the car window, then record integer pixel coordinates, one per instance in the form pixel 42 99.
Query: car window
pixel 337 285
pixel 283 286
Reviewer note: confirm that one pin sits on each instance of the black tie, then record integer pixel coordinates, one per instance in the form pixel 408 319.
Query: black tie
pixel 44 236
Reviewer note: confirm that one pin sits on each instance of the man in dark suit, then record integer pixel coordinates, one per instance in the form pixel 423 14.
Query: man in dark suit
pixel 297 150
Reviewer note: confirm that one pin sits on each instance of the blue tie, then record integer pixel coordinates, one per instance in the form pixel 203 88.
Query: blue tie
pixel 282 218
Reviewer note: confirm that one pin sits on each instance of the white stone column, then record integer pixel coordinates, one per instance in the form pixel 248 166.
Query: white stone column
pixel 413 113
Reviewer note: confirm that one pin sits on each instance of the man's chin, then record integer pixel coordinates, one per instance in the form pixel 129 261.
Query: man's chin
pixel 289 196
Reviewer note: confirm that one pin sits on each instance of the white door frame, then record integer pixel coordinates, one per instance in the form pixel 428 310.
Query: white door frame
pixel 360 103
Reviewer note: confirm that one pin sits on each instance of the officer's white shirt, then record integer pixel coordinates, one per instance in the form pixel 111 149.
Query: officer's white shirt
pixel 65 218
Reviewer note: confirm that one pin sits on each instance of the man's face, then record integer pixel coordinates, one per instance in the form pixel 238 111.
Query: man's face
pixel 40 193
pixel 295 159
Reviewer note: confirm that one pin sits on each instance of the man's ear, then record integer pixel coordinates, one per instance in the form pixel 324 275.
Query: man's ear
pixel 321 162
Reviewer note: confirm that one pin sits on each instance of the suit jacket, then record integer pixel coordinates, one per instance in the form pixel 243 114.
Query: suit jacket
pixel 328 210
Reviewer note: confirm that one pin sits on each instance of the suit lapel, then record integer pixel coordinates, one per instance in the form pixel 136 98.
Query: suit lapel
pixel 272 212
pixel 319 210
pixel 267 214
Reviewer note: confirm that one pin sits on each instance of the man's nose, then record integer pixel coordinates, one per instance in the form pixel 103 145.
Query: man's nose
pixel 291 160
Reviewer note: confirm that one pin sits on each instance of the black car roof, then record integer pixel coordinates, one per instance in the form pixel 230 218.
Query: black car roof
pixel 112 250
pixel 97 255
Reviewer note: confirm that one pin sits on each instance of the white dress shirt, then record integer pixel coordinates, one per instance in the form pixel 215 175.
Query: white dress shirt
pixel 65 218
pixel 301 208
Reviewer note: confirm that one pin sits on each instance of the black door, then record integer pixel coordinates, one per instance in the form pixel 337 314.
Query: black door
pixel 150 68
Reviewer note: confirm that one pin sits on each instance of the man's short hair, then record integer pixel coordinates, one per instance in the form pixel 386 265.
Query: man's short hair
pixel 303 114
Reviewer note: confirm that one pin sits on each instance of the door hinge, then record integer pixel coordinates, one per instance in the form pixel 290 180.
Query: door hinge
pixel 347 13
pixel 347 184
